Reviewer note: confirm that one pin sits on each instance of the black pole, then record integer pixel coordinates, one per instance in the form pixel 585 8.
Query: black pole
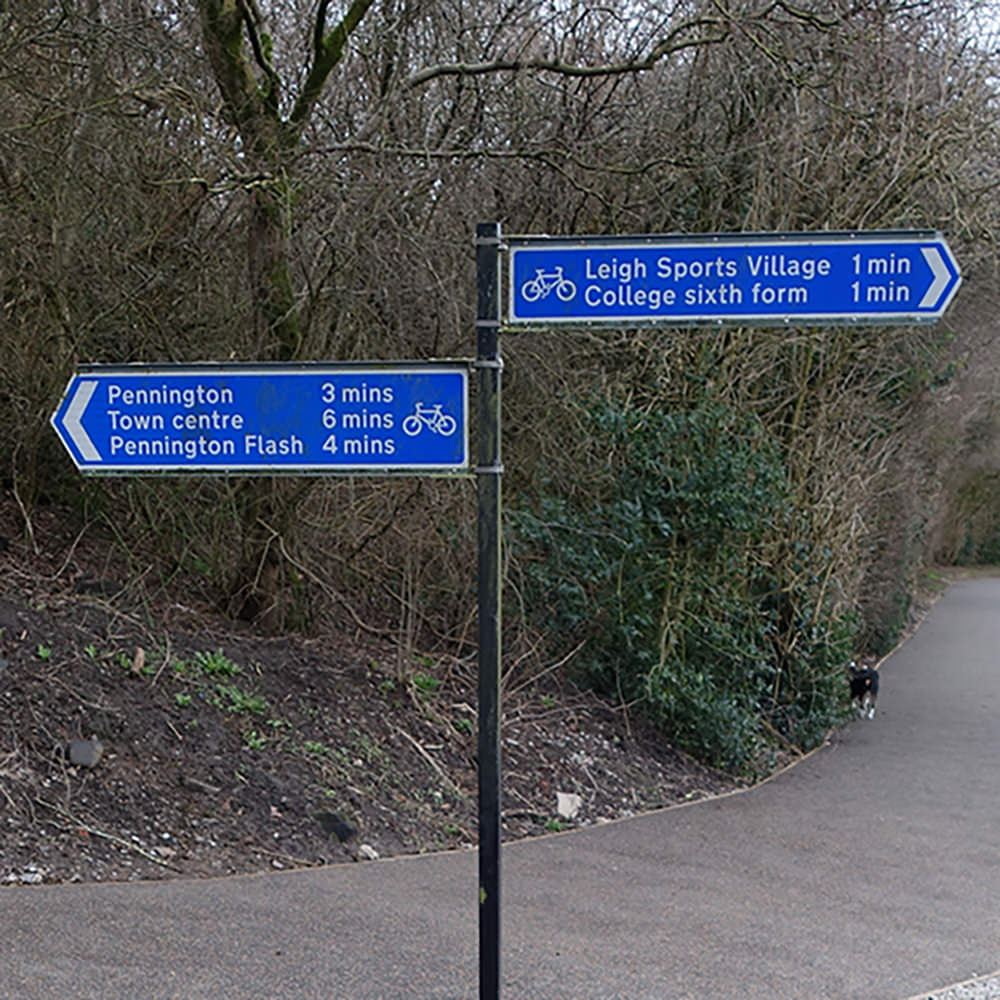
pixel 488 474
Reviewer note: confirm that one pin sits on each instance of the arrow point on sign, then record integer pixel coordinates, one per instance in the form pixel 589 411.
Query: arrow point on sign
pixel 73 421
pixel 941 277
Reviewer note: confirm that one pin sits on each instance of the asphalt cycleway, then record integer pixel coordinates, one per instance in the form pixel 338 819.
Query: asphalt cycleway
pixel 869 871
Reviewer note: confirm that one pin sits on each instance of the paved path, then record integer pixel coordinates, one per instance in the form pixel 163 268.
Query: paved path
pixel 869 871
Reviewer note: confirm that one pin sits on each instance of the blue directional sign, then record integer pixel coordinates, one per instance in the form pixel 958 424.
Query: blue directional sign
pixel 898 277
pixel 266 419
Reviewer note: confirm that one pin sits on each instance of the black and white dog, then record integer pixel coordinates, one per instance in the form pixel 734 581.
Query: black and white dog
pixel 864 689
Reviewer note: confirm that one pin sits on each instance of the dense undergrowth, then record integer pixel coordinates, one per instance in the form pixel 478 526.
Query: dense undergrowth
pixel 686 586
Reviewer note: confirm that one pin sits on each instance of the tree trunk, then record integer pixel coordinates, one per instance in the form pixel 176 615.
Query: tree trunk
pixel 275 315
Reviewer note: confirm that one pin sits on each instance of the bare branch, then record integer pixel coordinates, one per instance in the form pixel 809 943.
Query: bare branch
pixel 547 155
pixel 260 42
pixel 319 28
pixel 808 17
pixel 222 23
pixel 692 34
pixel 329 50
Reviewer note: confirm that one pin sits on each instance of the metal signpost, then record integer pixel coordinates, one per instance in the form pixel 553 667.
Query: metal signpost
pixel 751 279
pixel 488 474
pixel 327 419
pixel 267 419
pixel 412 417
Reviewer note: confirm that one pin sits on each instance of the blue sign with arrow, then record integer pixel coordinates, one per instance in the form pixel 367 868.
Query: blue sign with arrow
pixel 266 419
pixel 894 277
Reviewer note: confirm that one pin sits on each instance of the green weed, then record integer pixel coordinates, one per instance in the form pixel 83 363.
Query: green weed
pixel 230 698
pixel 316 749
pixel 425 683
pixel 217 664
pixel 254 740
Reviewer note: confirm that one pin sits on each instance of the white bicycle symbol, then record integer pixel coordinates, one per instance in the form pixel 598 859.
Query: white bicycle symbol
pixel 541 284
pixel 431 417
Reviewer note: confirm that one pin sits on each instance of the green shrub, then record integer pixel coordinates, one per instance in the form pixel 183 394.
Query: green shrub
pixel 685 579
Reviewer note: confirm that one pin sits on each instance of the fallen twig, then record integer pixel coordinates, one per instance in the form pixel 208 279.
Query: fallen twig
pixel 430 760
pixel 548 670
pixel 73 823
pixel 525 814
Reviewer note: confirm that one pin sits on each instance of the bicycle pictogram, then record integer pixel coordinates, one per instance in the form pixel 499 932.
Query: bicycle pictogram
pixel 543 283
pixel 431 417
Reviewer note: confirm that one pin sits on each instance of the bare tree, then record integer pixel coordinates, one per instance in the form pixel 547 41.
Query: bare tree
pixel 279 108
